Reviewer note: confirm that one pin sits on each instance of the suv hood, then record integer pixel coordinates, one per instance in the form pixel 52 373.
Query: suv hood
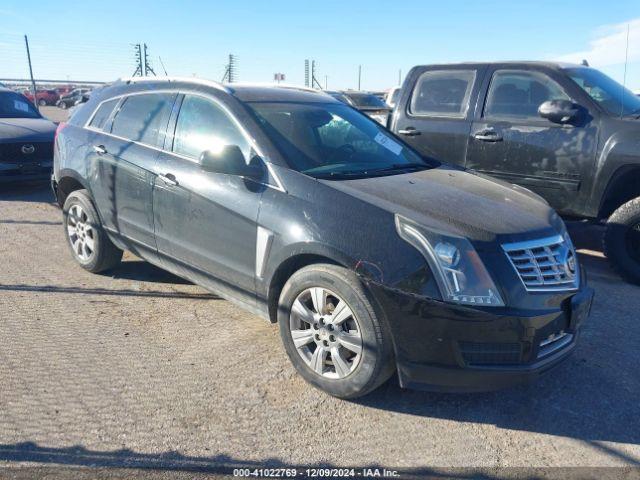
pixel 458 202
pixel 26 130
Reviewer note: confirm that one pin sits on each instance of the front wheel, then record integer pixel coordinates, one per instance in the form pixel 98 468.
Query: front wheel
pixel 331 332
pixel 622 240
pixel 63 105
pixel 87 240
pixel 42 102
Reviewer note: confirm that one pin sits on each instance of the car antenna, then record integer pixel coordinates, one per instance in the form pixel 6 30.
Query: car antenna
pixel 624 78
pixel 162 63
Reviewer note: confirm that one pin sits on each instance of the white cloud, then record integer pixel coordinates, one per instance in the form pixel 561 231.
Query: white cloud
pixel 608 46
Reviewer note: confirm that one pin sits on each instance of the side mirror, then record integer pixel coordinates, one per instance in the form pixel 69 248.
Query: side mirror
pixel 559 111
pixel 231 161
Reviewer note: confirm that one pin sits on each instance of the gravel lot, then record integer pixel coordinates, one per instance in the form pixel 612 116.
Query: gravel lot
pixel 138 368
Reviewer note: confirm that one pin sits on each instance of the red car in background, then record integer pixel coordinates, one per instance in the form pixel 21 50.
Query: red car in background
pixel 43 97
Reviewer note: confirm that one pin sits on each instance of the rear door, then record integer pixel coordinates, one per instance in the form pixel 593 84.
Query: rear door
pixel 509 140
pixel 127 156
pixel 436 114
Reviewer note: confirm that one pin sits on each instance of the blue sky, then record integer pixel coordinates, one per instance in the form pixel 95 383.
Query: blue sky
pixel 83 39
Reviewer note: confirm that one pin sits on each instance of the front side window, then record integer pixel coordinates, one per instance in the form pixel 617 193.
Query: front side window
pixel 102 114
pixel 609 94
pixel 143 117
pixel 203 125
pixel 519 94
pixel 14 105
pixel 334 141
pixel 443 93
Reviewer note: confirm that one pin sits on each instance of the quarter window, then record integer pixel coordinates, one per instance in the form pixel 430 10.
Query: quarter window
pixel 143 117
pixel 203 125
pixel 519 94
pixel 443 93
pixel 102 114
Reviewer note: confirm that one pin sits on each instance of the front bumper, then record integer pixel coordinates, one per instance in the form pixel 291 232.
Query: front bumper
pixel 25 171
pixel 445 347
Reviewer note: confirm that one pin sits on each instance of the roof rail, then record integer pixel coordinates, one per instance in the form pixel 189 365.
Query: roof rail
pixel 274 85
pixel 200 81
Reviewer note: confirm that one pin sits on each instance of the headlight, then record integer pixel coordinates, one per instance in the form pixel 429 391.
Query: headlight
pixel 459 272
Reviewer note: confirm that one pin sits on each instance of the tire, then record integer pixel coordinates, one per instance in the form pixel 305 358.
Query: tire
pixel 622 241
pixel 359 373
pixel 63 105
pixel 42 102
pixel 87 240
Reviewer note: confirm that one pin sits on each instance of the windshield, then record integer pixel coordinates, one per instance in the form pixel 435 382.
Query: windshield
pixel 14 105
pixel 334 140
pixel 612 96
pixel 366 100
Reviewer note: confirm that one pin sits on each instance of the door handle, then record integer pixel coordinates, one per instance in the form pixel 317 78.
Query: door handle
pixel 409 132
pixel 99 149
pixel 488 135
pixel 169 179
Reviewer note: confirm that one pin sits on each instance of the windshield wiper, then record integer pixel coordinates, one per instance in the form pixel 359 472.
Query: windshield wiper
pixel 401 166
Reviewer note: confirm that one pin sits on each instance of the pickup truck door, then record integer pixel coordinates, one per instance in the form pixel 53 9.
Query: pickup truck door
pixel 510 141
pixel 435 110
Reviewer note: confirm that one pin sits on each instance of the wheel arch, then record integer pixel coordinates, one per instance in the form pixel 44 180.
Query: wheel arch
pixel 69 181
pixel 624 185
pixel 287 268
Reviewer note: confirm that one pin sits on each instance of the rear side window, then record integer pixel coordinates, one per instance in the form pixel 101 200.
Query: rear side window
pixel 443 93
pixel 519 94
pixel 204 125
pixel 102 114
pixel 143 117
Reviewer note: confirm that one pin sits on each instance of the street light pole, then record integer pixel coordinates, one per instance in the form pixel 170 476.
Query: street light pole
pixel 33 82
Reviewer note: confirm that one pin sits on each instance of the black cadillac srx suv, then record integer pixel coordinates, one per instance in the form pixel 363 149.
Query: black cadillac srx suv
pixel 371 258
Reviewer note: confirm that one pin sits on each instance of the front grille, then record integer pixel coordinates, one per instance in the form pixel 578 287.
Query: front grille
pixel 13 152
pixel 545 264
pixel 477 354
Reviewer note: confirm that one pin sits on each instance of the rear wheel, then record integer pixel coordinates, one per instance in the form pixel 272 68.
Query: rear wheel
pixel 42 102
pixel 87 240
pixel 622 240
pixel 331 332
pixel 63 105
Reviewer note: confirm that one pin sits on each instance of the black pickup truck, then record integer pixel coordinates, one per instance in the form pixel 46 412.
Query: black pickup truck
pixel 567 132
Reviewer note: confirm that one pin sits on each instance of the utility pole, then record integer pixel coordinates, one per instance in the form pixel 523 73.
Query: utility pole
pixel 306 72
pixel 326 82
pixel 400 76
pixel 139 72
pixel 147 63
pixel 230 73
pixel 359 75
pixel 33 82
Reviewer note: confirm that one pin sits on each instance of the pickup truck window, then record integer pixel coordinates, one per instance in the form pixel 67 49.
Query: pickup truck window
pixel 610 95
pixel 442 93
pixel 519 94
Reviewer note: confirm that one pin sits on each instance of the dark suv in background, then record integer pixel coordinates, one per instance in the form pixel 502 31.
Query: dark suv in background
pixel 371 258
pixel 567 132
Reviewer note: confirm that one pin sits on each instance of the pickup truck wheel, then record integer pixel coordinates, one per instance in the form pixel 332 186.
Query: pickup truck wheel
pixel 331 332
pixel 87 240
pixel 622 240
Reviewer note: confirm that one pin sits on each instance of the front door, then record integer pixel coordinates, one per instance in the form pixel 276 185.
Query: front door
pixel 206 222
pixel 509 140
pixel 438 113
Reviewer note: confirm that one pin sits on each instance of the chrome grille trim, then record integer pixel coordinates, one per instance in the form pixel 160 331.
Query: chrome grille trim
pixel 543 264
pixel 554 343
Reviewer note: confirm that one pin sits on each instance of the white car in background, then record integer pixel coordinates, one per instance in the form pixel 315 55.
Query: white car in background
pixel 392 96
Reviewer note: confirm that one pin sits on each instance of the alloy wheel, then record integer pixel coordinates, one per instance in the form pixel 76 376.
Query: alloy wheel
pixel 81 233
pixel 326 333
